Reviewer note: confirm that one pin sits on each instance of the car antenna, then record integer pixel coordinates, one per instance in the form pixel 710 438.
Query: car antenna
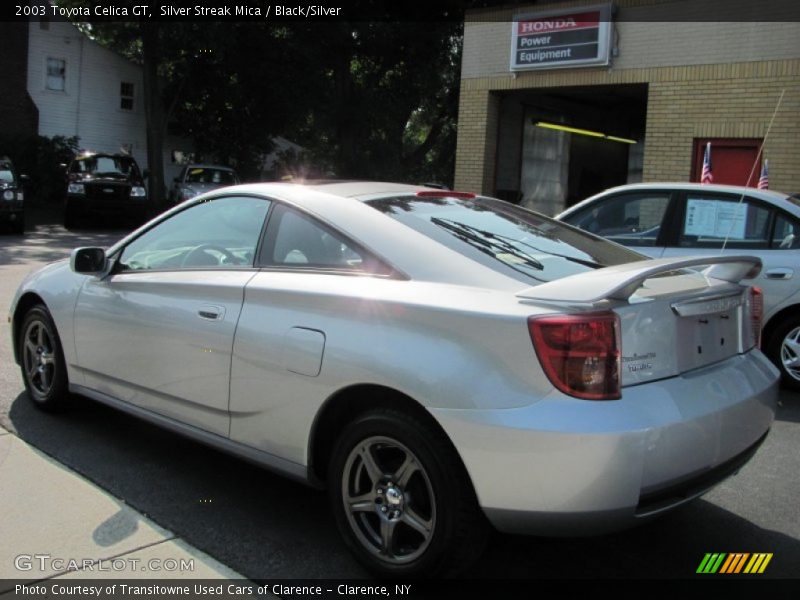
pixel 753 169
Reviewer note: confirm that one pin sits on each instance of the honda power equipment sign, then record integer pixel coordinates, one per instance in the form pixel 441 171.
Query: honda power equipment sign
pixel 563 38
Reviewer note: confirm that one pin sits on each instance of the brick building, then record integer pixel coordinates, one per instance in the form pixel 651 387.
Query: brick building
pixel 560 100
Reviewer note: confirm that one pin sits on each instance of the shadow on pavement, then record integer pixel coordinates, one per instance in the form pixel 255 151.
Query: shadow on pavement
pixel 265 526
pixel 789 407
pixel 52 242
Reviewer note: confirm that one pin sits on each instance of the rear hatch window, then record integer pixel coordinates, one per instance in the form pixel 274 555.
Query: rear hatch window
pixel 519 243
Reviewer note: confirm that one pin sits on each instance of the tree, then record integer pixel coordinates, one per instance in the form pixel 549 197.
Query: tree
pixel 387 98
pixel 373 100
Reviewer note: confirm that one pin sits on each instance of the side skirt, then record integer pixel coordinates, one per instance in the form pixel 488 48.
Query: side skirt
pixel 263 459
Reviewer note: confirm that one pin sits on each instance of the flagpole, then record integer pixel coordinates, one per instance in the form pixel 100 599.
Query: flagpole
pixel 752 170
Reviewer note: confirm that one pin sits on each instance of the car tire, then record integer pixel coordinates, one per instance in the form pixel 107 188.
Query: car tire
pixel 42 360
pixel 422 522
pixel 19 226
pixel 782 347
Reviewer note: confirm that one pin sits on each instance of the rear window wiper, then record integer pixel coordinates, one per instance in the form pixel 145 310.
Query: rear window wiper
pixel 511 241
pixel 493 247
pixel 580 261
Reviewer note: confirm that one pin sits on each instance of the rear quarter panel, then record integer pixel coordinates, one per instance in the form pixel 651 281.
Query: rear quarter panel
pixel 445 346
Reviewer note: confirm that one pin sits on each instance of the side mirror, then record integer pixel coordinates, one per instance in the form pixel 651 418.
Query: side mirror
pixel 176 179
pixel 89 261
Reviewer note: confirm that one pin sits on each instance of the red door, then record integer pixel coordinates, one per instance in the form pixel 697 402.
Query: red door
pixel 731 160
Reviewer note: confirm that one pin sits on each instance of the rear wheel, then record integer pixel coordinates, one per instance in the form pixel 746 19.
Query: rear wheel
pixel 783 348
pixel 19 225
pixel 42 360
pixel 402 499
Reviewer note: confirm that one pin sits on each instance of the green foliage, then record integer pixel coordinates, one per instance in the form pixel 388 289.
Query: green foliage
pixel 387 99
pixel 373 100
pixel 40 158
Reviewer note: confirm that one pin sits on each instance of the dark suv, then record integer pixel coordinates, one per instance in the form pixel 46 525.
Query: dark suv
pixel 11 196
pixel 107 184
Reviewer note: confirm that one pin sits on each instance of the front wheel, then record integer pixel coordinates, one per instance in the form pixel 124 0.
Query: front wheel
pixel 402 499
pixel 783 349
pixel 42 360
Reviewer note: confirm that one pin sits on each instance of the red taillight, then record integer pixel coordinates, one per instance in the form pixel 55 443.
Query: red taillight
pixel 756 314
pixel 580 354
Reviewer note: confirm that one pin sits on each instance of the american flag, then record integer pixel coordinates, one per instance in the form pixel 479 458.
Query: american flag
pixel 707 176
pixel 763 181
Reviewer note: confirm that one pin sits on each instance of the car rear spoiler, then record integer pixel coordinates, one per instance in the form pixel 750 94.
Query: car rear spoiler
pixel 621 281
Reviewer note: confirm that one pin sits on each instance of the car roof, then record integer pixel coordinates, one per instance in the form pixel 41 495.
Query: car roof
pixel 704 187
pixel 341 204
pixel 770 196
pixel 361 189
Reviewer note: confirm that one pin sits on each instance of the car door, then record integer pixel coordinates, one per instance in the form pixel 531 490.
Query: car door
pixel 707 221
pixel 631 218
pixel 158 331
pixel 290 316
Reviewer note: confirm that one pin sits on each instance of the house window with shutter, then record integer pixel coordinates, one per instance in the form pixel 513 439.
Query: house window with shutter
pixel 126 95
pixel 56 74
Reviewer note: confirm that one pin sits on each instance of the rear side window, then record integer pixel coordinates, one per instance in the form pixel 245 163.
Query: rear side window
pixel 298 241
pixel 786 235
pixel 514 241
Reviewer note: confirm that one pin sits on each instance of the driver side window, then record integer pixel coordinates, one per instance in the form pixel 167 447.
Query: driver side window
pixel 216 234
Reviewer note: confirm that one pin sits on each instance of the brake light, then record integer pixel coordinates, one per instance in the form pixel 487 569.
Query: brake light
pixel 756 314
pixel 580 354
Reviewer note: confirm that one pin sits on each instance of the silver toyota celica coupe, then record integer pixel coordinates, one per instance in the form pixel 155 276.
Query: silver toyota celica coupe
pixel 439 361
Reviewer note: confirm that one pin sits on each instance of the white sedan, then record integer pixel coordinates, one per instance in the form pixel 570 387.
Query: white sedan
pixel 691 219
pixel 439 361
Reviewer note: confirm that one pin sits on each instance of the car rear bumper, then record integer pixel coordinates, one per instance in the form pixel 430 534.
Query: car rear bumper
pixel 563 466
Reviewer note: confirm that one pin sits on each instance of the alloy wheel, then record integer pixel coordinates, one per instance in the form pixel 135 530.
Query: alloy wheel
pixel 38 357
pixel 790 353
pixel 388 500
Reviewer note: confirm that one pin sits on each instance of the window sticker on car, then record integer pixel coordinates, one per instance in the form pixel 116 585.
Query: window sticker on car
pixel 715 218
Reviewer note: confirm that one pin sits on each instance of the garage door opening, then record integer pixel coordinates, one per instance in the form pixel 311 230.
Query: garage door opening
pixel 558 146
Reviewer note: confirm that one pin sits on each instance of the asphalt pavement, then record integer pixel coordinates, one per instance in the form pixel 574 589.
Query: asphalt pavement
pixel 263 526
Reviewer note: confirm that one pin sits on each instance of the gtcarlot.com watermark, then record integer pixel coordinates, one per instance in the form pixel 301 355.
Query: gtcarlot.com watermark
pixel 47 562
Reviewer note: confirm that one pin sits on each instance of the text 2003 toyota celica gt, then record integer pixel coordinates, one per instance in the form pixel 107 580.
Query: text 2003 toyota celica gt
pixel 439 361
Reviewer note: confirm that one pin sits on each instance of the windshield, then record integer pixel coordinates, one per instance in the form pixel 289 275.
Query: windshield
pixel 6 173
pixel 509 239
pixel 206 175
pixel 107 166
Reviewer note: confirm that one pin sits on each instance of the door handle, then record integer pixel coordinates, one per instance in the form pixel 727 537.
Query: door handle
pixel 779 273
pixel 211 313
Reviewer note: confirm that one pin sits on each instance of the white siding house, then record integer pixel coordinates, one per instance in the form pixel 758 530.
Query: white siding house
pixel 83 89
